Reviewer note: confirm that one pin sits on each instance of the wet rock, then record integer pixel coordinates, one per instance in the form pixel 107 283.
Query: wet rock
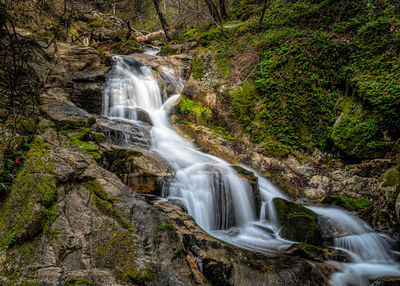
pixel 388 281
pixel 298 223
pixel 218 263
pixel 223 206
pixel 308 251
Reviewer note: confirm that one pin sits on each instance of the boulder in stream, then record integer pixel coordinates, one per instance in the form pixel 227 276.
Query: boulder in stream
pixel 298 222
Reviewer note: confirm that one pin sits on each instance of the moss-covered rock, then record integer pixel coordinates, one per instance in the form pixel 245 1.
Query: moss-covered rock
pixel 298 223
pixel 73 281
pixel 117 159
pixel 31 196
pixel 85 147
pixel 348 203
pixel 195 111
pixel 105 203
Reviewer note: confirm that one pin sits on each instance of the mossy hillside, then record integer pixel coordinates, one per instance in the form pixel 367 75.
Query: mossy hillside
pixel 31 198
pixel 297 222
pixel 348 203
pixel 305 59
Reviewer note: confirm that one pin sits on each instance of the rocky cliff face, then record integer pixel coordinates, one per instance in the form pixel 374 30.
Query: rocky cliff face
pixel 74 215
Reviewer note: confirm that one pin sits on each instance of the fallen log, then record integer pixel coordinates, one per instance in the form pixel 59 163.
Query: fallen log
pixel 150 37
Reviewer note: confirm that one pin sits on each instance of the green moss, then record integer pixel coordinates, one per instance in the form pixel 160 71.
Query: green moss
pixel 136 277
pixel 87 148
pixel 72 281
pixel 99 138
pixel 126 47
pixel 97 189
pixel 31 198
pixel 359 138
pixel 195 111
pixel 164 226
pixel 298 223
pixel 348 203
pixel 276 149
pixel 117 158
pixel 392 178
pixel 313 57
pixel 223 132
pixel 71 125
pixel 117 250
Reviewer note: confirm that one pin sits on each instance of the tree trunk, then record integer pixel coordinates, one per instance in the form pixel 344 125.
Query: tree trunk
pixel 213 11
pixel 222 9
pixel 263 12
pixel 162 19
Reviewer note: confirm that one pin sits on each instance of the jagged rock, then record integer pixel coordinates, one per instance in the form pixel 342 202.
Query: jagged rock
pixel 143 172
pixel 126 135
pixel 191 89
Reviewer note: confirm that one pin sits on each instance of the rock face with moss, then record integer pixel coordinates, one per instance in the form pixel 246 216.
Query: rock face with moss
pixel 298 223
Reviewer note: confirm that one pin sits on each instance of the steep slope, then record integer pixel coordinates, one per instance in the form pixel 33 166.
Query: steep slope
pixel 304 98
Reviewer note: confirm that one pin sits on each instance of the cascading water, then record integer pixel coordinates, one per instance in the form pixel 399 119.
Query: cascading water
pixel 217 198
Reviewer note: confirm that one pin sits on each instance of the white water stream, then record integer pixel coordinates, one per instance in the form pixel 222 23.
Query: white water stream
pixel 219 200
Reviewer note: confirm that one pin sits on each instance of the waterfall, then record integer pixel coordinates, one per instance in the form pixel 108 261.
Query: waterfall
pixel 218 198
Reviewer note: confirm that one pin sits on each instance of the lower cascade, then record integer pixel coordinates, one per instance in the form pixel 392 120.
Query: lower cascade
pixel 219 200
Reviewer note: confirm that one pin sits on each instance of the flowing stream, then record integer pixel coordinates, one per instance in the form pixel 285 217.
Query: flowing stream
pixel 220 201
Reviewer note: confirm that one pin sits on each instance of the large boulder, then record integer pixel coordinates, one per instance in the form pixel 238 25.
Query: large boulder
pixel 298 222
pixel 142 172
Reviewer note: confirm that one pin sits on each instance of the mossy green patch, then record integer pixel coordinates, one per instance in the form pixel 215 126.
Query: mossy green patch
pixel 164 226
pixel 99 138
pixel 392 178
pixel 348 203
pixel 298 223
pixel 71 125
pixel 117 250
pixel 117 158
pixel 31 196
pixel 195 111
pixel 141 278
pixel 72 281
pixel 87 148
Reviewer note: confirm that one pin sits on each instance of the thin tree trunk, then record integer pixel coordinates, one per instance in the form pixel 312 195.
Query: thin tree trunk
pixel 213 11
pixel 263 12
pixel 66 21
pixel 223 10
pixel 162 19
